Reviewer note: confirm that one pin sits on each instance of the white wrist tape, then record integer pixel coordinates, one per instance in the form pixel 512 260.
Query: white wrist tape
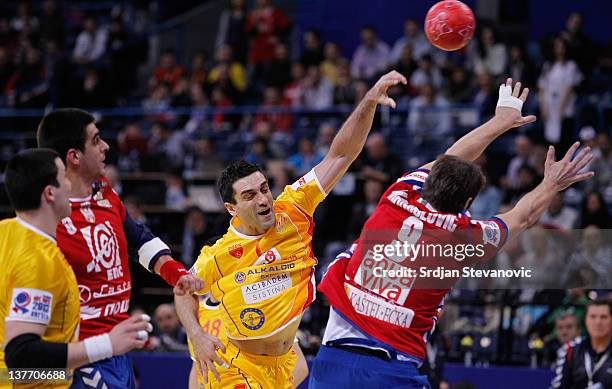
pixel 507 100
pixel 98 348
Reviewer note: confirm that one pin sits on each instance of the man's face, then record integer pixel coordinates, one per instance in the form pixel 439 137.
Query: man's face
pixel 567 328
pixel 166 319
pixel 598 321
pixel 253 203
pixel 62 193
pixel 92 163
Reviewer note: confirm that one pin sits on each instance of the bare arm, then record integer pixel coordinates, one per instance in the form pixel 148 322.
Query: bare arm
pixel 349 141
pixel 557 176
pixel 123 338
pixel 507 115
pixel 204 345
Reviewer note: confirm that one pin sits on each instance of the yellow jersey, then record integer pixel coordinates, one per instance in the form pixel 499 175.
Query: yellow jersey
pixel 37 285
pixel 265 282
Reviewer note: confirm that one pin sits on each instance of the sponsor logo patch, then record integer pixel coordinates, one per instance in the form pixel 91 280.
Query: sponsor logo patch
pixel 31 305
pixel 240 277
pixel 252 318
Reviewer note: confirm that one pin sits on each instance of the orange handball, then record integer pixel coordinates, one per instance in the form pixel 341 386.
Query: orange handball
pixel 449 25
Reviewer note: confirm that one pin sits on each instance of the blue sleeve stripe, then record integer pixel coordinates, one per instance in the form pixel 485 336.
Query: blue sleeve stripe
pixel 504 227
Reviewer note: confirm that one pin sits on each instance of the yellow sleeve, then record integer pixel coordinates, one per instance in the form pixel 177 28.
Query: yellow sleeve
pixel 205 268
pixel 307 193
pixel 31 294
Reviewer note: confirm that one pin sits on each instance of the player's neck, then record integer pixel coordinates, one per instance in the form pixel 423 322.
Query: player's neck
pixel 81 185
pixel 42 218
pixel 601 343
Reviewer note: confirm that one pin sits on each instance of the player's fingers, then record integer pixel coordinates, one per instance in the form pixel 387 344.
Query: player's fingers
pixel 517 89
pixel 219 345
pixel 215 358
pixel 388 101
pixel 527 119
pixel 581 177
pixel 570 152
pixel 199 284
pixel 509 81
pixel 204 369
pixel 213 369
pixel 524 95
pixel 550 156
pixel 178 290
pixel 581 161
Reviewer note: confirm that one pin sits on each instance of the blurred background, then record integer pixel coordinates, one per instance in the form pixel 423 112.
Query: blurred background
pixel 180 88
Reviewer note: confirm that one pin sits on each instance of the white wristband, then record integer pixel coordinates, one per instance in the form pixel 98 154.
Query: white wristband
pixel 98 348
pixel 507 100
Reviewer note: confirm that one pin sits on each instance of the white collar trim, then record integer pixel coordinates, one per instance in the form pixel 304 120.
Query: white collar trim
pixel 36 230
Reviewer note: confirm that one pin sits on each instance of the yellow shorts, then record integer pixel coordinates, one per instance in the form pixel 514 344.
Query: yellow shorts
pixel 254 371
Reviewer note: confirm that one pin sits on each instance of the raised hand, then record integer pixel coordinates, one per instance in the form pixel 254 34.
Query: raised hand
pixel 378 92
pixel 510 104
pixel 205 349
pixel 565 172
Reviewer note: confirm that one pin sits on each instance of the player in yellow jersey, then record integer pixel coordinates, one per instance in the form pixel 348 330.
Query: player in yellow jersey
pixel 39 298
pixel 262 270
pixel 211 322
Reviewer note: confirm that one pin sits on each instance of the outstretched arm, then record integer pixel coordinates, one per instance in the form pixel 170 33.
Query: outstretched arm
pixel 349 141
pixel 557 176
pixel 507 115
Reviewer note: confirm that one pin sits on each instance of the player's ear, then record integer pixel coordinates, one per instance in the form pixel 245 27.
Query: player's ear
pixel 47 195
pixel 468 203
pixel 231 208
pixel 72 157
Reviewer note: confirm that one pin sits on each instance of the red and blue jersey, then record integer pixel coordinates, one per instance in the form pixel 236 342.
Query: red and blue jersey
pixel 401 311
pixel 97 239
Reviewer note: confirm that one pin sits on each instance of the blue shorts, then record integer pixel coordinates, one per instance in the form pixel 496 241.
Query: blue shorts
pixel 111 373
pixel 335 368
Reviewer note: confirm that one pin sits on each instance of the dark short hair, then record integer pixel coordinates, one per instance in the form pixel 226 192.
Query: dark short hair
pixel 599 303
pixel 26 176
pixel 452 182
pixel 232 173
pixel 64 129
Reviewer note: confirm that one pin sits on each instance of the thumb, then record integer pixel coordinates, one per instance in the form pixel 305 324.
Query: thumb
pixel 550 156
pixel 528 119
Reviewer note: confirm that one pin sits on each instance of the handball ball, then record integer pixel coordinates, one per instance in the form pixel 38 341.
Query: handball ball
pixel 449 25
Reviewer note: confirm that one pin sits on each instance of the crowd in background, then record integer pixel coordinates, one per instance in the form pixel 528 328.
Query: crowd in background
pixel 192 129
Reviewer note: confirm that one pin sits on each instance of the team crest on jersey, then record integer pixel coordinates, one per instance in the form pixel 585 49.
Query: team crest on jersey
pixel 240 277
pixel 104 249
pixel 252 318
pixel 236 251
pixel 268 257
pixel 31 305
pixel 87 212
pixel 104 203
pixel 69 225
pixel 84 294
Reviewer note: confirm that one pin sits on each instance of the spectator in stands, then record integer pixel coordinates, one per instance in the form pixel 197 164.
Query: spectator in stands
pixel 601 78
pixel 198 73
pixel 557 83
pixel 203 159
pixel 543 258
pixel 28 87
pixel 332 61
pixel 519 66
pixel 93 92
pixel 168 70
pixel 221 121
pixel 413 38
pixel 579 45
pixel 344 90
pixel 566 329
pixel 485 97
pixel 459 88
pixel 265 24
pixel 52 23
pixel 371 57
pixel 90 44
pixel 23 18
pixel 570 371
pixel 378 163
pixel 527 179
pixel 372 192
pixel 222 76
pixel 427 73
pixel 132 145
pixel 280 175
pixel 523 148
pixel 237 72
pixel 195 234
pixel 589 265
pixel 198 120
pixel 278 72
pixel 326 134
pixel 312 53
pixel 175 192
pixel 429 121
pixel 159 98
pixel 559 215
pixel 305 159
pixel 602 164
pixel 259 152
pixel 282 121
pixel 294 92
pixel 406 66
pixel 489 55
pixel 171 335
pixel 180 93
pixel 594 211
pixel 489 199
pixel 232 30
pixel 318 90
pixel 112 175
